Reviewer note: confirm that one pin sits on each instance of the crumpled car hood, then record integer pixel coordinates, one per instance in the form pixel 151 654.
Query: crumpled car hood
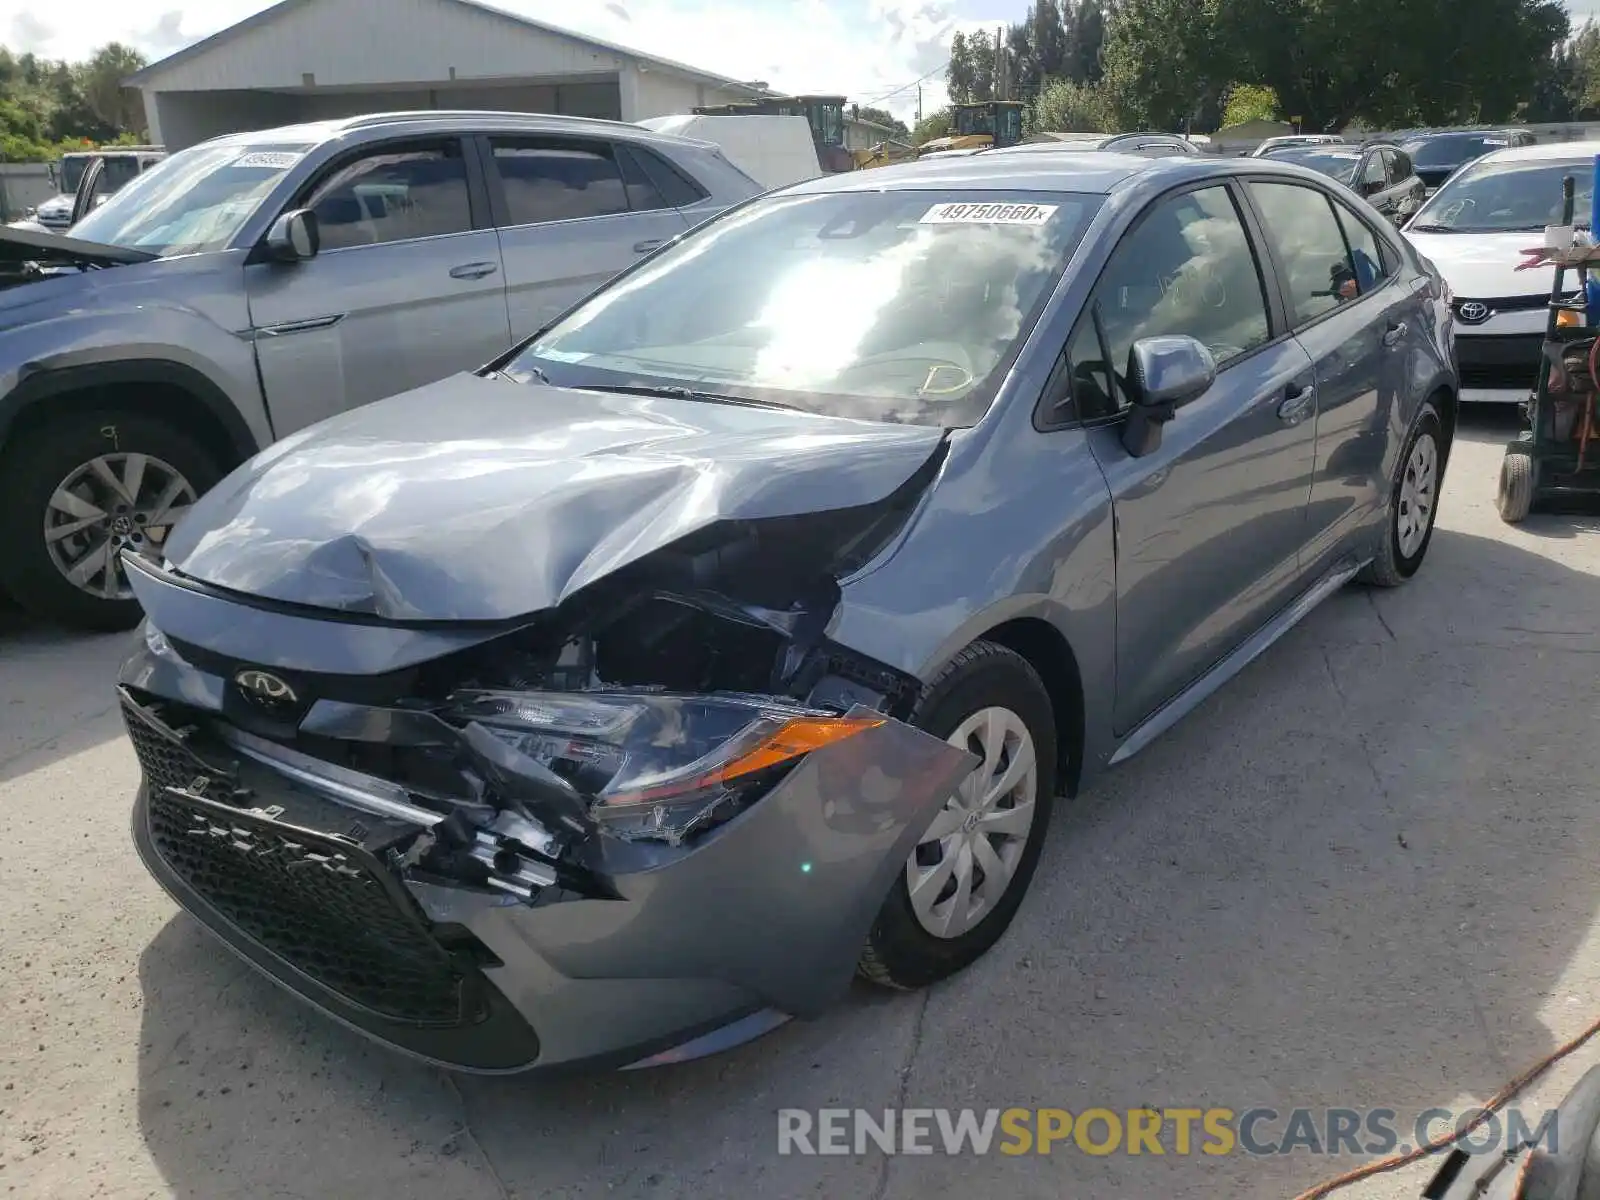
pixel 482 499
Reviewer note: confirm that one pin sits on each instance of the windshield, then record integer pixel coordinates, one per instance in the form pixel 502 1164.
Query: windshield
pixel 72 166
pixel 1332 163
pixel 1499 197
pixel 974 120
pixel 828 123
pixel 904 306
pixel 194 201
pixel 1451 149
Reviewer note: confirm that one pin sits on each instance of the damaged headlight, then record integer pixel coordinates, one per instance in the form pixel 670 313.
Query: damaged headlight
pixel 658 765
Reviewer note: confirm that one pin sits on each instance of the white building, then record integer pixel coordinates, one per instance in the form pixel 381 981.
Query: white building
pixel 304 60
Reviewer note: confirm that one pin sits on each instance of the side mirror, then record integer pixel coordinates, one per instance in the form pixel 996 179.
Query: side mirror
pixel 294 237
pixel 1164 373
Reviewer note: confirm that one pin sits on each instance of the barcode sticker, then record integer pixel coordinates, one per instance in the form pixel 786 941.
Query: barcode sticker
pixel 988 214
pixel 276 160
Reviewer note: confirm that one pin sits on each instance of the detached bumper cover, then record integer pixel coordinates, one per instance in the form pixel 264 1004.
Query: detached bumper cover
pixel 767 912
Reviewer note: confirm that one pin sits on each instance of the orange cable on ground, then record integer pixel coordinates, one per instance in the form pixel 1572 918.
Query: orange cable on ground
pixel 1496 1102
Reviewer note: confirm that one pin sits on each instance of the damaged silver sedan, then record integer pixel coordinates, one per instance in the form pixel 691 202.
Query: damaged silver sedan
pixel 734 634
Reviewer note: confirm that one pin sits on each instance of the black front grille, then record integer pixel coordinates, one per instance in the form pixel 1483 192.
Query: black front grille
pixel 167 762
pixel 319 902
pixel 1499 362
pixel 314 903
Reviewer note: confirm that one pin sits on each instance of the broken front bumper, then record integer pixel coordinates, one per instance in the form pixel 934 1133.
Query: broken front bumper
pixel 676 951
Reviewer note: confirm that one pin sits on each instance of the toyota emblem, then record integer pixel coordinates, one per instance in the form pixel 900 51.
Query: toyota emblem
pixel 266 689
pixel 1473 312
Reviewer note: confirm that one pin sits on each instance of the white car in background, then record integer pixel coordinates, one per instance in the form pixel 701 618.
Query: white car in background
pixel 1474 229
pixel 1296 139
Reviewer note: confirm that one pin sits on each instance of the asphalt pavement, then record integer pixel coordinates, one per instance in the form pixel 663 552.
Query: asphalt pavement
pixel 1362 876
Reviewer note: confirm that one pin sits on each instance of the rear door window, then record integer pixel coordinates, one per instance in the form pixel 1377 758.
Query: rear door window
pixel 677 187
pixel 1310 247
pixel 556 179
pixel 1372 268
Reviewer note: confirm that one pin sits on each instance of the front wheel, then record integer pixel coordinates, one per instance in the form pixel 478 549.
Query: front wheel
pixel 1515 498
pixel 965 879
pixel 78 492
pixel 1413 503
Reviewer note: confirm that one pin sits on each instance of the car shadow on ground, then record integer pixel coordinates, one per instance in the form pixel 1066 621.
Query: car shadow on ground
pixel 1359 876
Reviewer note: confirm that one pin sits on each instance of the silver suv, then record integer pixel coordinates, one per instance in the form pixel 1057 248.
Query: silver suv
pixel 254 284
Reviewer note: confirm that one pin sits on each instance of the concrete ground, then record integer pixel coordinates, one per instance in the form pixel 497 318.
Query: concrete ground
pixel 1364 875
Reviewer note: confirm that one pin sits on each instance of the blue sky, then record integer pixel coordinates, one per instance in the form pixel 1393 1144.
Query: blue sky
pixel 874 51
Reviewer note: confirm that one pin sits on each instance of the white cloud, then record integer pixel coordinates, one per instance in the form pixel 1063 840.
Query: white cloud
pixel 865 49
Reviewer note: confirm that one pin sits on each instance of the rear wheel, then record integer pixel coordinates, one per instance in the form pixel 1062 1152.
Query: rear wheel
pixel 78 492
pixel 965 879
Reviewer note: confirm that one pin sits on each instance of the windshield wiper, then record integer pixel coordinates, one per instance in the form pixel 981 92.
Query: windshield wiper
pixel 670 392
pixel 1433 229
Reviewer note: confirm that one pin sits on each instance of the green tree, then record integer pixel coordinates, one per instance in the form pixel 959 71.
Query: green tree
pixel 1067 106
pixel 1388 61
pixel 1249 102
pixel 101 78
pixel 936 124
pixel 1048 40
pixel 1086 39
pixel 1160 62
pixel 959 75
pixel 44 104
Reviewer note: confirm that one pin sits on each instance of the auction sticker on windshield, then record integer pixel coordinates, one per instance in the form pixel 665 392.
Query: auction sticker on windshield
pixel 275 160
pixel 988 214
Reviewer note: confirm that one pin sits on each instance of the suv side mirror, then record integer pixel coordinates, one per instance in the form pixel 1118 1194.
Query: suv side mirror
pixel 294 236
pixel 1164 374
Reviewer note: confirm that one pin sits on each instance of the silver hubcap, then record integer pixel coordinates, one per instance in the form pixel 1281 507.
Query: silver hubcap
pixel 965 862
pixel 1418 494
pixel 112 503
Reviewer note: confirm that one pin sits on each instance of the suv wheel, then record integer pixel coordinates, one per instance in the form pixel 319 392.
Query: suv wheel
pixel 967 875
pixel 77 493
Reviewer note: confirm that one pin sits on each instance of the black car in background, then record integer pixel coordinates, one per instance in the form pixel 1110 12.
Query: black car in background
pixel 1438 153
pixel 1381 173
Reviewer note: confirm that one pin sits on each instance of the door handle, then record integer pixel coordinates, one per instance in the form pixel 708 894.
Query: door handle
pixel 1394 333
pixel 648 245
pixel 475 270
pixel 1294 409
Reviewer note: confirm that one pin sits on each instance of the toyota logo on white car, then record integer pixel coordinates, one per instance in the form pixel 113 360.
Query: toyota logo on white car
pixel 1473 312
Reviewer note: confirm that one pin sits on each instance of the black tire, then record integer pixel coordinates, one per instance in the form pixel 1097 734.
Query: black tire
pixel 35 463
pixel 1515 499
pixel 1391 567
pixel 900 953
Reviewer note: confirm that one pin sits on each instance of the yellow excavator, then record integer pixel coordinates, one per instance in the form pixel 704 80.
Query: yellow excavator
pixel 979 126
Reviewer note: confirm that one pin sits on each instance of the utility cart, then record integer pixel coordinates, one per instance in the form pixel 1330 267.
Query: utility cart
pixel 1556 459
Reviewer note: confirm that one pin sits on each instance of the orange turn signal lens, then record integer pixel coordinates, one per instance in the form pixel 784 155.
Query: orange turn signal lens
pixel 1568 318
pixel 799 736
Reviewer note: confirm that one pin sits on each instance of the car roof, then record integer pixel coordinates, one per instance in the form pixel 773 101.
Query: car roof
pixel 1333 148
pixel 1095 171
pixel 1421 135
pixel 439 120
pixel 1545 152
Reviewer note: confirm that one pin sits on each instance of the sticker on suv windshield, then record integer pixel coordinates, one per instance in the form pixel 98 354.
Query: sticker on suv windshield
pixel 988 214
pixel 275 160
